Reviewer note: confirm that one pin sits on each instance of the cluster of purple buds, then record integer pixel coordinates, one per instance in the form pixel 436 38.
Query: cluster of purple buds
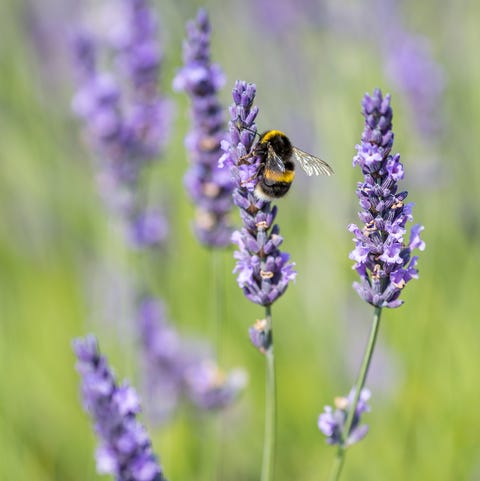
pixel 382 258
pixel 125 449
pixel 263 271
pixel 124 115
pixel 173 368
pixel 209 186
pixel 260 335
pixel 210 388
pixel 332 422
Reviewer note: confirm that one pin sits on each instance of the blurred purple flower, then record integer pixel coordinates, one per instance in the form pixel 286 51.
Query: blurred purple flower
pixel 287 15
pixel 409 63
pixel 163 360
pixel 411 67
pixel 260 336
pixel 210 388
pixel 332 422
pixel 125 449
pixel 209 186
pixel 382 258
pixel 125 117
pixel 173 369
pixel 148 229
pixel 263 271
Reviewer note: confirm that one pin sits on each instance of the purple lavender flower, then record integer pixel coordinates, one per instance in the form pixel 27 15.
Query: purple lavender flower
pixel 174 369
pixel 382 258
pixel 410 65
pixel 209 186
pixel 124 115
pixel 148 229
pixel 210 388
pixel 163 360
pixel 125 449
pixel 260 336
pixel 332 422
pixel 263 271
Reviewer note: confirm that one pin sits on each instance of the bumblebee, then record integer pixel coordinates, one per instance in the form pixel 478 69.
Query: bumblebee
pixel 277 164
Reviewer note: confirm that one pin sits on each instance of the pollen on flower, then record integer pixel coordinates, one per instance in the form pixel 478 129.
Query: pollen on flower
pixel 400 284
pixel 260 324
pixel 266 274
pixel 205 219
pixel 211 189
pixel 208 143
pixel 341 402
pixel 262 225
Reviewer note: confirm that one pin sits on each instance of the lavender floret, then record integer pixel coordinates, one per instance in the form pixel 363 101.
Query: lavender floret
pixel 332 422
pixel 125 449
pixel 263 271
pixel 209 186
pixel 260 336
pixel 210 388
pixel 382 257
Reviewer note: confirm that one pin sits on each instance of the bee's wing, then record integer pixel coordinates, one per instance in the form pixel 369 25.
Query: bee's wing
pixel 274 162
pixel 311 164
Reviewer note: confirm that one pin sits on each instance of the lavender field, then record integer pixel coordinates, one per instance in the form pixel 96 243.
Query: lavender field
pixel 145 274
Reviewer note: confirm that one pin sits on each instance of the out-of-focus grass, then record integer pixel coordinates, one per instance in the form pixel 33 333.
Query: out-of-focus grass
pixel 424 423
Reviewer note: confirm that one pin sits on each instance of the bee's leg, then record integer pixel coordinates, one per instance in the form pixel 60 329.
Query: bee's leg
pixel 243 159
pixel 253 177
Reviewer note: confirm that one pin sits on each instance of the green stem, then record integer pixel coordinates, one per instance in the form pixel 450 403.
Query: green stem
pixel 217 296
pixel 362 376
pixel 268 462
pixel 214 443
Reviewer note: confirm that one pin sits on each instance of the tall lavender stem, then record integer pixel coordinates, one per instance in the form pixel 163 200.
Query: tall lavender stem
pixel 268 463
pixel 359 385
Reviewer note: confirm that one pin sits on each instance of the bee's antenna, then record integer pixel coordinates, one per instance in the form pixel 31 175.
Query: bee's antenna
pixel 241 126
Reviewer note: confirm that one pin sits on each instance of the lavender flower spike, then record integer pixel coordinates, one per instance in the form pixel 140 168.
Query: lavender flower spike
pixel 209 186
pixel 382 257
pixel 263 271
pixel 332 423
pixel 125 450
pixel 125 117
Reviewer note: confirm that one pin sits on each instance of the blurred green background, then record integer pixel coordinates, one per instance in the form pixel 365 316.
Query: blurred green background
pixel 65 271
